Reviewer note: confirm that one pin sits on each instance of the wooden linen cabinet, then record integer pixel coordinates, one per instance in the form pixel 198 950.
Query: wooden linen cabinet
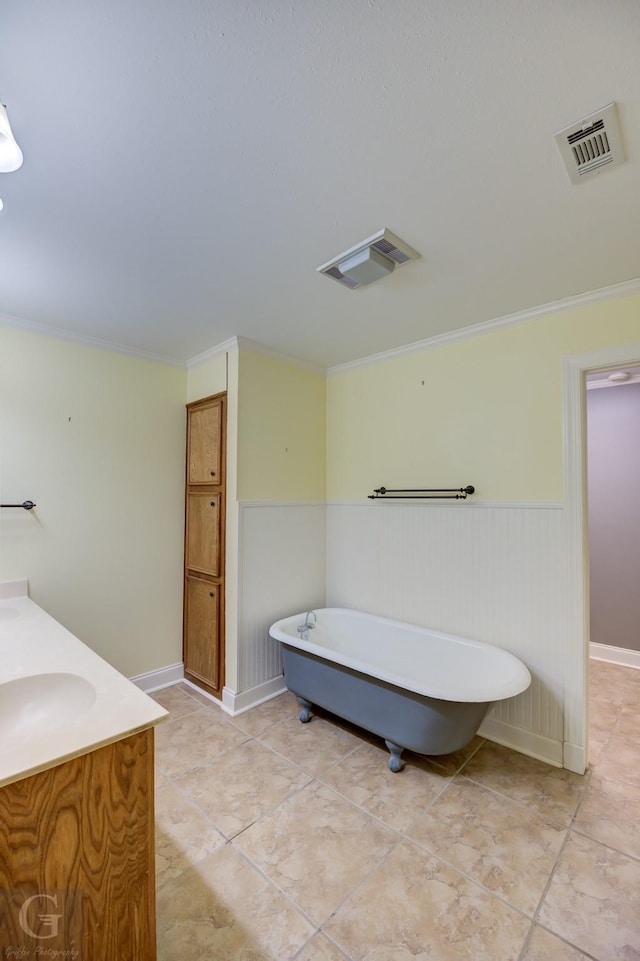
pixel 203 631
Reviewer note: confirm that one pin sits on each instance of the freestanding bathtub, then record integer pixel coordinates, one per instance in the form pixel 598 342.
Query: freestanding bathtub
pixel 416 688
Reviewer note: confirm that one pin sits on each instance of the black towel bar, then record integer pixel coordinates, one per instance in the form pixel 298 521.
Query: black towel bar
pixel 27 505
pixel 423 493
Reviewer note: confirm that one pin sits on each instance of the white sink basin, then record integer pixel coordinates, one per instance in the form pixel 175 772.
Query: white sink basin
pixel 39 704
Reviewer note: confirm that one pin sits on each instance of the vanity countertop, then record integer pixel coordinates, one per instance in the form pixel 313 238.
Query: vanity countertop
pixel 58 698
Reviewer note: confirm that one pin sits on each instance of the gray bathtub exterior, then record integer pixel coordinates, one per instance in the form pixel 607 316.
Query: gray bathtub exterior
pixel 404 719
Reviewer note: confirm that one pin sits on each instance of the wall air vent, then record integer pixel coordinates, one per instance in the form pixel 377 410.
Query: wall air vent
pixel 592 144
pixel 369 260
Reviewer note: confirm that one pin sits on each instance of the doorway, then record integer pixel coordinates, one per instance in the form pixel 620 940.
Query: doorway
pixel 576 681
pixel 613 466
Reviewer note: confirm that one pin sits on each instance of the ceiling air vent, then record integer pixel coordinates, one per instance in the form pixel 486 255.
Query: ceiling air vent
pixel 369 260
pixel 592 144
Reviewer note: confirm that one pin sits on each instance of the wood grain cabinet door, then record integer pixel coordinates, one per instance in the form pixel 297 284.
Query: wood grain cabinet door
pixel 201 635
pixel 205 438
pixel 204 548
pixel 203 533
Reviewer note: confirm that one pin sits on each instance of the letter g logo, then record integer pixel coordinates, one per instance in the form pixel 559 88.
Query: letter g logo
pixel 50 920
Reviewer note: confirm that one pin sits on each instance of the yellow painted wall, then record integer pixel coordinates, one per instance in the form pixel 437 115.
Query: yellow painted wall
pixel 209 377
pixel 96 439
pixel 281 430
pixel 486 410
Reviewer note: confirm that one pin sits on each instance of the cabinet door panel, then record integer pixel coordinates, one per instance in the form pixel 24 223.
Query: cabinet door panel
pixel 203 533
pixel 205 445
pixel 202 618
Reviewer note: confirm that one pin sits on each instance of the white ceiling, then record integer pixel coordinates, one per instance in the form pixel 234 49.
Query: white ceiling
pixel 189 163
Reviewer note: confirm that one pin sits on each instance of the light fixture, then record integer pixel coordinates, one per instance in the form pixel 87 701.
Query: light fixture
pixel 10 153
pixel 366 266
pixel 370 260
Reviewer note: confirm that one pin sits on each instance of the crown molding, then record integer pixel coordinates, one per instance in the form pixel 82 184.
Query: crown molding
pixel 253 345
pixel 243 343
pixel 63 333
pixel 223 348
pixel 625 289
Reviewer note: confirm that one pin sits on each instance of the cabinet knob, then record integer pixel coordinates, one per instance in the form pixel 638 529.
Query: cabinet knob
pixel 213 473
pixel 212 593
pixel 212 503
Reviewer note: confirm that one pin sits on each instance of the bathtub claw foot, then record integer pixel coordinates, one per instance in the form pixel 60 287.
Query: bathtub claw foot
pixel 305 710
pixel 395 761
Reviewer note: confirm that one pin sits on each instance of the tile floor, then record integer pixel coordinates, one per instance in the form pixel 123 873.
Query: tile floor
pixel 279 841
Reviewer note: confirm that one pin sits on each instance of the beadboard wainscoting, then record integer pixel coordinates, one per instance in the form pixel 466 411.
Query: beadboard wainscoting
pixel 281 564
pixel 493 572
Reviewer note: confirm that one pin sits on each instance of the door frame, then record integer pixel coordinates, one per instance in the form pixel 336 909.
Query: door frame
pixel 576 660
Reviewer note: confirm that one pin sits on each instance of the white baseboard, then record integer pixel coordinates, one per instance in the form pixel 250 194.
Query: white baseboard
pixel 575 758
pixel 162 677
pixel 615 655
pixel 527 742
pixel 234 703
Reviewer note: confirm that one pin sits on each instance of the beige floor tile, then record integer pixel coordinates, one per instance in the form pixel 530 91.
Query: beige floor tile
pixel 610 813
pixel 604 672
pixel 593 900
pixel 315 746
pixel 496 841
pixel 603 715
pixel 224 909
pixel 415 907
pixel 544 946
pixel 627 726
pixel 452 763
pixel 320 949
pixel 597 747
pixel 607 694
pixel 604 699
pixel 259 719
pixel 631 697
pixel 316 847
pixel 553 792
pixel 366 737
pixel 193 741
pixel 176 700
pixel 242 786
pixel 633 680
pixel 203 699
pixel 158 778
pixel 621 761
pixel 183 835
pixel 397 799
pixel 596 666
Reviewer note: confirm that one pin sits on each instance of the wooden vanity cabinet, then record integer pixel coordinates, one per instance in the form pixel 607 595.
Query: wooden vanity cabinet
pixel 77 875
pixel 203 633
